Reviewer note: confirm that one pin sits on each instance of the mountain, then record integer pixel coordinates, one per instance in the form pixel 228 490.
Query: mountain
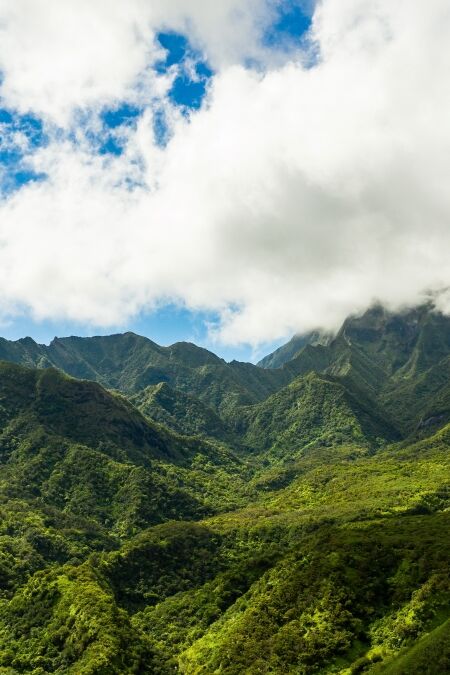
pixel 397 365
pixel 182 413
pixel 162 511
pixel 74 446
pixel 401 342
pixel 313 411
pixel 129 363
pixel 399 359
pixel 288 351
pixel 336 572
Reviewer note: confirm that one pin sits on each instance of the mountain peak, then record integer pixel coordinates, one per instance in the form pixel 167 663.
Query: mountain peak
pixel 289 351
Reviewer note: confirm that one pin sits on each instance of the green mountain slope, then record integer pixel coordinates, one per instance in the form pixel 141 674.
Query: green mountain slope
pixel 288 351
pixel 428 656
pixel 312 411
pixel 82 411
pixel 74 446
pixel 401 360
pixel 227 518
pixel 336 573
pixel 398 360
pixel 182 413
pixel 398 343
pixel 130 363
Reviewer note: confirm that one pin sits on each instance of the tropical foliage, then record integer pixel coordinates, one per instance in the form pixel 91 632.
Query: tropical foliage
pixel 203 517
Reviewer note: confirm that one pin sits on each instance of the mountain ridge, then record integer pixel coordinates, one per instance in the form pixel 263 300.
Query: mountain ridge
pixel 396 360
pixel 196 516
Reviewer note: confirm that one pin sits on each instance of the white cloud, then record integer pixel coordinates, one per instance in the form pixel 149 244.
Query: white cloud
pixel 293 197
pixel 59 55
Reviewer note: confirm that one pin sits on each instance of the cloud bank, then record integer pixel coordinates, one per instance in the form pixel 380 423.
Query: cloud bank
pixel 296 194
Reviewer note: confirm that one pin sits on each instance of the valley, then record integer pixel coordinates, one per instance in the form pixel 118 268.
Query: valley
pixel 164 511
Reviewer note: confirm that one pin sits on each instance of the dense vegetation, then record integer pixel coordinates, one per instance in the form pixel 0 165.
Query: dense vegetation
pixel 204 517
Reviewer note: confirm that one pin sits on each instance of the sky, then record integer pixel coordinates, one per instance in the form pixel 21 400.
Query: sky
pixel 227 172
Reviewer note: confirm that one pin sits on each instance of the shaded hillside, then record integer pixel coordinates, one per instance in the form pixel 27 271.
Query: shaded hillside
pixel 74 446
pixel 83 412
pixel 182 413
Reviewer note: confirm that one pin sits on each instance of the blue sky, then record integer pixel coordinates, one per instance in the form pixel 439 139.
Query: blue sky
pixel 23 134
pixel 272 162
pixel 165 326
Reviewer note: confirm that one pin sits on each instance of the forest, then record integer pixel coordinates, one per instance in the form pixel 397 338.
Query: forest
pixel 164 511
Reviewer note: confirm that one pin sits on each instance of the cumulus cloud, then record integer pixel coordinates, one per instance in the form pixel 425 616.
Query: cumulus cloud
pixel 61 55
pixel 294 196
